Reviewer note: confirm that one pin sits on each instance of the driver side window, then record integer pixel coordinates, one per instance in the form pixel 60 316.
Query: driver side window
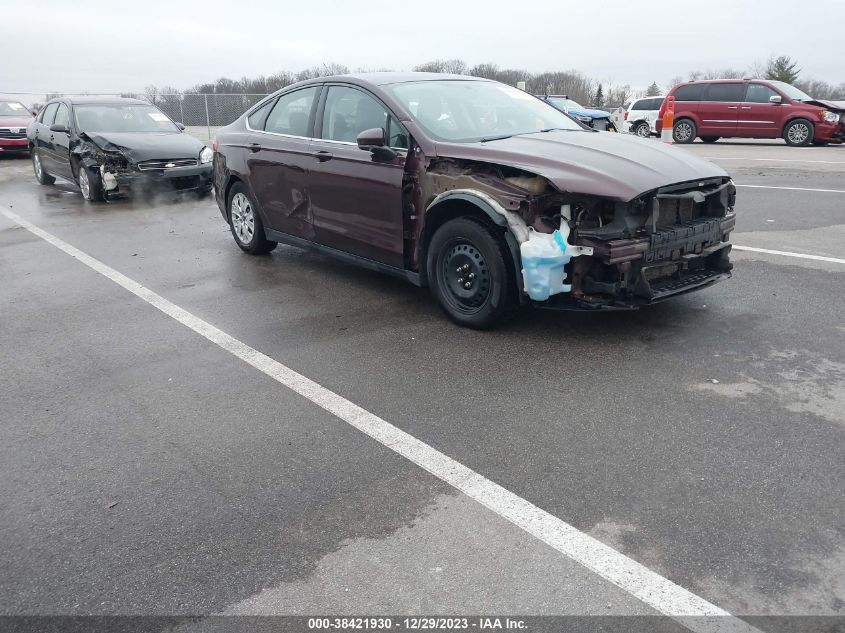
pixel 348 112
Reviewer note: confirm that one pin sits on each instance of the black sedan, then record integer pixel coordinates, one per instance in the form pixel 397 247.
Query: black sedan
pixel 116 146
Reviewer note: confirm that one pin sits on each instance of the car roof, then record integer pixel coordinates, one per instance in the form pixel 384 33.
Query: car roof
pixel 384 78
pixel 101 100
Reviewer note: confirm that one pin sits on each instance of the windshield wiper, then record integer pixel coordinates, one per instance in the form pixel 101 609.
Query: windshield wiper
pixel 495 138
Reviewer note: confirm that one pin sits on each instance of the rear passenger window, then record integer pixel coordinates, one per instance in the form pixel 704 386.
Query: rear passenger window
pixel 724 92
pixel 291 113
pixel 640 105
pixel 656 103
pixel 690 92
pixel 256 119
pixel 758 93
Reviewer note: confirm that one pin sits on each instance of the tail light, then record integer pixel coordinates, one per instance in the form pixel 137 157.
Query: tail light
pixel 215 145
pixel 625 118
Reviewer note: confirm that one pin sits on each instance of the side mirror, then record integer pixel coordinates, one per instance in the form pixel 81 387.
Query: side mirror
pixel 368 139
pixel 181 126
pixel 775 99
pixel 58 127
pixel 372 140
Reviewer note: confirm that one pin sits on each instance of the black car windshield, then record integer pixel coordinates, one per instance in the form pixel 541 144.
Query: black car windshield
pixel 93 118
pixel 13 108
pixel 467 111
pixel 791 91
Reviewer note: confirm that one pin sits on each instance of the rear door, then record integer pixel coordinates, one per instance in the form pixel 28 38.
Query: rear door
pixel 43 143
pixel 357 197
pixel 758 116
pixel 719 109
pixel 279 156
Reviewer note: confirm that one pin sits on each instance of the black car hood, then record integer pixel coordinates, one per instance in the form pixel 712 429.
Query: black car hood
pixel 606 164
pixel 139 146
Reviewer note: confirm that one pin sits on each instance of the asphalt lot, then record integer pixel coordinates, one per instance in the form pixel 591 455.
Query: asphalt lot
pixel 145 470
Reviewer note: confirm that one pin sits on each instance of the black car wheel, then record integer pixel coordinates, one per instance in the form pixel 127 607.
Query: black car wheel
pixel 710 139
pixel 683 131
pixel 41 174
pixel 89 184
pixel 469 274
pixel 798 133
pixel 642 129
pixel 245 222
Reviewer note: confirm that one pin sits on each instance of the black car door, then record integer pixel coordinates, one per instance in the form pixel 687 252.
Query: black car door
pixel 60 142
pixel 43 143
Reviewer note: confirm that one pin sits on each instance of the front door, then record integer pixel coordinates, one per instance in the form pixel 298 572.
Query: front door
pixel 43 141
pixel 356 197
pixel 61 143
pixel 758 117
pixel 719 109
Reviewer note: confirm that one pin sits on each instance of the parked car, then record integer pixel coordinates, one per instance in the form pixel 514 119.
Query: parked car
pixel 14 119
pixel 486 194
pixel 114 146
pixel 596 119
pixel 752 108
pixel 640 116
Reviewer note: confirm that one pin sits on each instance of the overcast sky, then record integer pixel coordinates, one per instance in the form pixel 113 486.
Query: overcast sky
pixel 100 46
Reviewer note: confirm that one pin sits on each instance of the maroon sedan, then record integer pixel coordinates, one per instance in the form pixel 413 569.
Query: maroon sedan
pixel 486 194
pixel 14 117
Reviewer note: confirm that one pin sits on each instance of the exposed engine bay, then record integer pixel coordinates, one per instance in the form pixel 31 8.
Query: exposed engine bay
pixel 611 253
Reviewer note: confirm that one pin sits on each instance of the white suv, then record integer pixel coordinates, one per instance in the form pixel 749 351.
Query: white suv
pixel 641 115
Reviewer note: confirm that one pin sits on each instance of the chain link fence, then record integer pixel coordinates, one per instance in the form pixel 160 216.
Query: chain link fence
pixel 202 114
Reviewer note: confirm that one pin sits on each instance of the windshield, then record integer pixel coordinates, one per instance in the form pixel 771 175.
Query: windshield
pixel 791 91
pixel 469 111
pixel 122 118
pixel 566 104
pixel 13 108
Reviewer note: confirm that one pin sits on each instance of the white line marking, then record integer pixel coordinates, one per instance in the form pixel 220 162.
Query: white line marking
pixel 777 160
pixel 688 609
pixel 820 258
pixel 792 188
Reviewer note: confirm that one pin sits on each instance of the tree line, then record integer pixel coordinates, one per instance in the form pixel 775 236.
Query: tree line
pixel 573 83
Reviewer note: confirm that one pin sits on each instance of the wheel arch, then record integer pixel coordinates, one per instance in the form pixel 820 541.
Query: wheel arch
pixel 470 203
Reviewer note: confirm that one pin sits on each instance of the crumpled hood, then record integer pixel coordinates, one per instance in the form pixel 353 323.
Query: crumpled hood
pixel 828 105
pixel 15 121
pixel 139 146
pixel 615 166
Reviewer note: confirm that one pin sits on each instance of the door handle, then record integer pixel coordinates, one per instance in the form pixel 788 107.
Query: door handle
pixel 733 107
pixel 323 156
pixel 745 108
pixel 52 137
pixel 254 147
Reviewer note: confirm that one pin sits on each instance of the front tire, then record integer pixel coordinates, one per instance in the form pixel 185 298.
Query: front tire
pixel 470 276
pixel 798 133
pixel 41 174
pixel 642 129
pixel 245 223
pixel 684 131
pixel 89 184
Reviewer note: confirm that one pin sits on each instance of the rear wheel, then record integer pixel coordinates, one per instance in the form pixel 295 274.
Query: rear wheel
pixel 642 129
pixel 469 274
pixel 710 139
pixel 684 131
pixel 41 174
pixel 245 223
pixel 798 133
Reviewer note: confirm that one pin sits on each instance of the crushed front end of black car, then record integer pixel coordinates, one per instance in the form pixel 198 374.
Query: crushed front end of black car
pixel 123 171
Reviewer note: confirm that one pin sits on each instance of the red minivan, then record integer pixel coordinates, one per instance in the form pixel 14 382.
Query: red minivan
pixel 752 108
